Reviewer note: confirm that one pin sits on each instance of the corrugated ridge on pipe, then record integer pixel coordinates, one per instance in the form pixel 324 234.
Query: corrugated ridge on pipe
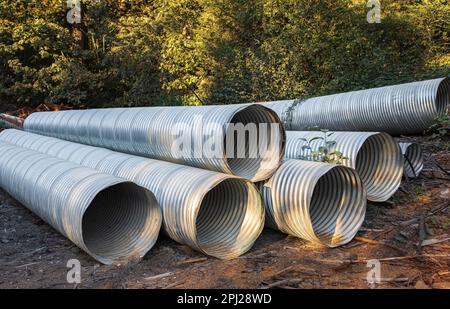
pixel 413 159
pixel 217 214
pixel 318 202
pixel 113 220
pixel 399 109
pixel 375 156
pixel 152 132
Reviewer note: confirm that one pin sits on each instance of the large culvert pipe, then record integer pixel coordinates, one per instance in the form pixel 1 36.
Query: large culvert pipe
pixel 400 109
pixel 318 202
pixel 217 214
pixel 375 156
pixel 113 220
pixel 413 159
pixel 242 140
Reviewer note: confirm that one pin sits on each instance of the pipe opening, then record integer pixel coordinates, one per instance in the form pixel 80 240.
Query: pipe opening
pixel 261 159
pixel 121 222
pixel 443 97
pixel 337 206
pixel 230 218
pixel 415 157
pixel 378 165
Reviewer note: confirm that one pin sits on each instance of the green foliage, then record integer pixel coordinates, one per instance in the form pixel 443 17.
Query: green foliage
pixel 192 52
pixel 420 191
pixel 440 128
pixel 446 225
pixel 435 223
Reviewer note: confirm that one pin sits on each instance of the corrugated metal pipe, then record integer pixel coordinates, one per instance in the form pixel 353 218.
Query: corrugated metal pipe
pixel 413 159
pixel 218 214
pixel 208 137
pixel 319 202
pixel 10 122
pixel 400 109
pixel 375 156
pixel 113 220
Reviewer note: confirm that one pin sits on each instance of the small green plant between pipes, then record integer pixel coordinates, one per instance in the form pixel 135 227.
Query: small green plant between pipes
pixel 327 152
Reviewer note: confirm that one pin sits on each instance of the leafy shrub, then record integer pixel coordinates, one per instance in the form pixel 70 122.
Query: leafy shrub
pixel 192 52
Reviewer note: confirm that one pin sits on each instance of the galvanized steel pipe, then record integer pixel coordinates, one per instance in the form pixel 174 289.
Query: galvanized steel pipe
pixel 375 156
pixel 218 214
pixel 113 220
pixel 413 159
pixel 319 202
pixel 399 109
pixel 199 136
pixel 10 122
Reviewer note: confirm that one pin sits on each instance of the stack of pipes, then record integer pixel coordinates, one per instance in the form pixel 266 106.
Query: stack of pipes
pixel 403 109
pixel 213 176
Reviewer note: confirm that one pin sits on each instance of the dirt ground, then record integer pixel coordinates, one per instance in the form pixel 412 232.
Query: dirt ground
pixel 33 255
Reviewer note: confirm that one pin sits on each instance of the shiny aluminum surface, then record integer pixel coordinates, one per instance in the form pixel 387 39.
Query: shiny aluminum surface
pixel 319 202
pixel 113 220
pixel 413 159
pixel 185 135
pixel 218 214
pixel 375 156
pixel 399 109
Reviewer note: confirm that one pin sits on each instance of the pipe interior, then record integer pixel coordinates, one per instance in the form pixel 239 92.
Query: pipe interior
pixel 376 164
pixel 121 222
pixel 252 165
pixel 443 97
pixel 334 194
pixel 415 157
pixel 220 220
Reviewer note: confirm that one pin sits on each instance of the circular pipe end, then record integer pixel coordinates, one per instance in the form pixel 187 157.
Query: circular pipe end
pixel 413 159
pixel 443 97
pixel 379 163
pixel 337 206
pixel 121 223
pixel 254 143
pixel 230 219
pixel 318 202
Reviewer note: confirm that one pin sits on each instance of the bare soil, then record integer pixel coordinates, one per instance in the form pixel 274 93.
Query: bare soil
pixel 34 255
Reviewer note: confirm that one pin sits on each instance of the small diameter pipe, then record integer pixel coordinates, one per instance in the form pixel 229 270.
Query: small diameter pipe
pixel 413 159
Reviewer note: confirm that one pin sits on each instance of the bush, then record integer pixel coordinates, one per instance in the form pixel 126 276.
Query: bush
pixel 162 52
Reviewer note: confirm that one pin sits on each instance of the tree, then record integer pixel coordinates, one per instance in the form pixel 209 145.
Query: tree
pixel 162 52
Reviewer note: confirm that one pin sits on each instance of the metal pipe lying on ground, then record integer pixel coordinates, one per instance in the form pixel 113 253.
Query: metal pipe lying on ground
pixel 413 159
pixel 217 138
pixel 10 122
pixel 319 202
pixel 375 156
pixel 399 109
pixel 218 214
pixel 113 220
